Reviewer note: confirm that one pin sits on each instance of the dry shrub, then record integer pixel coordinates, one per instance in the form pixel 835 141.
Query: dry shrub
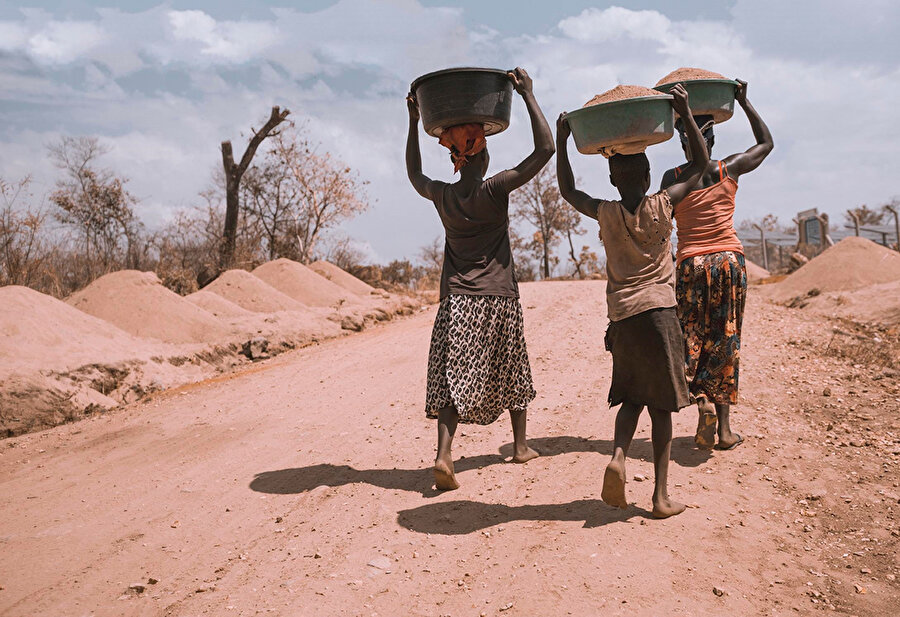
pixel 867 345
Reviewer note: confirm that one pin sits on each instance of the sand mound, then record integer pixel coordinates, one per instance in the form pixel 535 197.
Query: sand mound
pixel 217 305
pixel 687 73
pixel 38 332
pixel 339 277
pixel 852 263
pixel 875 304
pixel 302 284
pixel 138 303
pixel 622 92
pixel 251 293
pixel 754 272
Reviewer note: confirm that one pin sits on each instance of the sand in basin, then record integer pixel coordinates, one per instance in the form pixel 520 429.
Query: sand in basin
pixel 252 293
pixel 852 263
pixel 215 304
pixel 622 92
pixel 39 332
pixel 138 303
pixel 339 277
pixel 687 73
pixel 302 284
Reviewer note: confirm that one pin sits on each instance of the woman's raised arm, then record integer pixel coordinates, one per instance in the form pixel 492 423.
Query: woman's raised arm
pixel 543 137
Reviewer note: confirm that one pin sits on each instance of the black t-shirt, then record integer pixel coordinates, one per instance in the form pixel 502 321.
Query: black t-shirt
pixel 477 256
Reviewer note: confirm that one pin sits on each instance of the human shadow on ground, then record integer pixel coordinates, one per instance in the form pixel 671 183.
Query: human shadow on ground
pixel 303 479
pixel 452 518
pixel 684 452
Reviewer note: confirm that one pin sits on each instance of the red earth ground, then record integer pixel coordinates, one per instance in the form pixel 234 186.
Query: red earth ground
pixel 301 486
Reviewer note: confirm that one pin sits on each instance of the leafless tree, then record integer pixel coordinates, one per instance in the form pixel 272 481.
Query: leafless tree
pixel 23 250
pixel 328 192
pixel 570 225
pixel 431 261
pixel 94 202
pixel 525 268
pixel 769 223
pixel 271 200
pixel 866 215
pixel 539 204
pixel 341 251
pixel 234 172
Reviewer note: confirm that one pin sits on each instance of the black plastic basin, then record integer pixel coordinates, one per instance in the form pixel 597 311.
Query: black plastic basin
pixel 464 95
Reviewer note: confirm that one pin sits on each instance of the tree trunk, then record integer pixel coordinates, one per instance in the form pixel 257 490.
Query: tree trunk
pixel 544 235
pixel 231 207
pixel 233 173
pixel 572 255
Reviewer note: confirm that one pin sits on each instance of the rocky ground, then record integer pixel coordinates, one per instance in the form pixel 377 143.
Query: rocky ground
pixel 300 486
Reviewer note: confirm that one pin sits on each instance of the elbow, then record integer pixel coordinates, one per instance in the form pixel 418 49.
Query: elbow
pixel 546 150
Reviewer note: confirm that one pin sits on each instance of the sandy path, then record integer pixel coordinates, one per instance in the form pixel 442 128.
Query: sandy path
pixel 273 490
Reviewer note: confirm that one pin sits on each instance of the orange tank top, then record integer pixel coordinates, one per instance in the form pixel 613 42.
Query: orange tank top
pixel 705 219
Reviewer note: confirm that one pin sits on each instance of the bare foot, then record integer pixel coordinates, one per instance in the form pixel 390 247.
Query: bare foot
pixel 706 425
pixel 613 492
pixel 525 455
pixel 444 476
pixel 664 508
pixel 729 441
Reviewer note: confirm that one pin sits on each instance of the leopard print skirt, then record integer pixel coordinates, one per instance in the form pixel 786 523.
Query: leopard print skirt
pixel 478 362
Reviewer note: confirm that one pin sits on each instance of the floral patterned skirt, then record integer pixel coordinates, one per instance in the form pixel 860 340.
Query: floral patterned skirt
pixel 478 362
pixel 711 291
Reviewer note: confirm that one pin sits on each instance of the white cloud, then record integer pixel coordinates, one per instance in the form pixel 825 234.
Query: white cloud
pixel 52 42
pixel 13 36
pixel 229 40
pixel 165 87
pixel 616 23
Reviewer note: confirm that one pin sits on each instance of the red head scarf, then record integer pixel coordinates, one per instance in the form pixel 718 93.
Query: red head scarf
pixel 463 140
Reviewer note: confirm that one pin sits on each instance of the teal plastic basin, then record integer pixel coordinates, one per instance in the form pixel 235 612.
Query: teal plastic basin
pixel 708 97
pixel 641 121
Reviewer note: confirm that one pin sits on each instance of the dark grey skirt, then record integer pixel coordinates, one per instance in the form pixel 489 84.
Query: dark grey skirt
pixel 478 362
pixel 648 361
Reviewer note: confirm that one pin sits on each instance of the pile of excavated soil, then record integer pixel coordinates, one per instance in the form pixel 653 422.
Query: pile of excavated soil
pixel 138 303
pixel 687 73
pixel 852 263
pixel 302 284
pixel 755 272
pixel 216 304
pixel 41 333
pixel 622 92
pixel 251 293
pixel 344 279
pixel 875 304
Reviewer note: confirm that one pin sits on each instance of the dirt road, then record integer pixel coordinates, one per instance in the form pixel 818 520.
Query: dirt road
pixel 301 486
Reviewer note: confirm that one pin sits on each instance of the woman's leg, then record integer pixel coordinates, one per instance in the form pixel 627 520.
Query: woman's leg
pixel 705 437
pixel 692 293
pixel 727 439
pixel 613 491
pixel 444 474
pixel 521 452
pixel 738 285
pixel 661 435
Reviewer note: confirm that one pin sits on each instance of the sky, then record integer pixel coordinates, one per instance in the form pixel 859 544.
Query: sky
pixel 162 84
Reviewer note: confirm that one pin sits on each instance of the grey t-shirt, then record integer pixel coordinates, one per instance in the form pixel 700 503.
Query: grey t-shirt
pixel 477 257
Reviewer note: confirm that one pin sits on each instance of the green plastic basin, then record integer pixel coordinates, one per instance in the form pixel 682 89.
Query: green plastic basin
pixel 641 121
pixel 708 97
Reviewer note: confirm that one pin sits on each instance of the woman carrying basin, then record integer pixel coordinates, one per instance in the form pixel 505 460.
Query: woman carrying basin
pixel 478 363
